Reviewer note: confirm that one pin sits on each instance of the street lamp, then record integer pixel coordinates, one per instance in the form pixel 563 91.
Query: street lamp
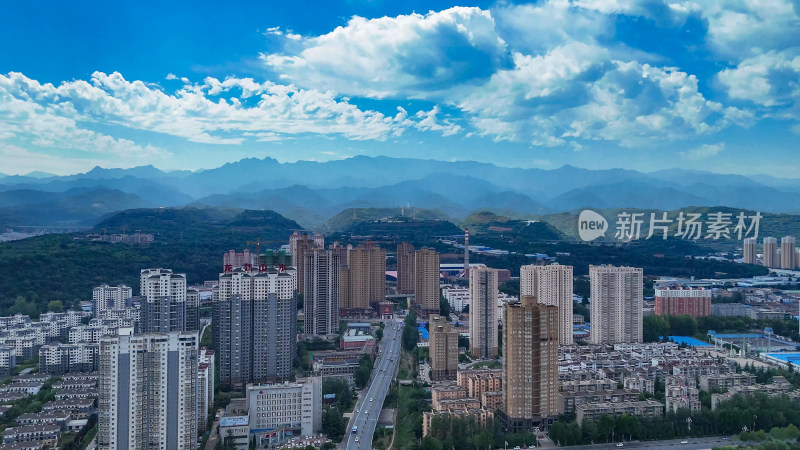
pixel 754 422
pixel 689 422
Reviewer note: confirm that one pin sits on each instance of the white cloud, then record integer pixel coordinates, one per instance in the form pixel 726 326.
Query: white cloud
pixel 771 79
pixel 213 112
pixel 405 56
pixel 703 152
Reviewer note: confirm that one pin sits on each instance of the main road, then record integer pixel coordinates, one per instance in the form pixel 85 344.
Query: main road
pixel 673 444
pixel 369 406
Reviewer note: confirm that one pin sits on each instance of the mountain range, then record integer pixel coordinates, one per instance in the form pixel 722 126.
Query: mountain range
pixel 312 193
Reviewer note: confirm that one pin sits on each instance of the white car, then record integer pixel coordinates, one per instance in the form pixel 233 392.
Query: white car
pixel 356 438
pixel 684 442
pixel 371 399
pixel 620 444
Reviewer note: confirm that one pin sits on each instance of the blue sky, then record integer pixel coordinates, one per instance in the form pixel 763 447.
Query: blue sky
pixel 642 85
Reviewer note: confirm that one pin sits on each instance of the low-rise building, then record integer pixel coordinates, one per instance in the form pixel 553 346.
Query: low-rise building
pixel 572 400
pixel 47 435
pixel 276 411
pixel 78 408
pixel 726 381
pixel 593 411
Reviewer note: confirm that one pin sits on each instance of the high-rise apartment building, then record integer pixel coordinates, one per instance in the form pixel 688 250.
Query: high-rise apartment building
pixel 299 244
pixel 363 278
pixel 676 301
pixel 254 326
pixel 426 280
pixel 788 253
pixel 771 253
pixel 749 251
pixel 616 304
pixel 530 364
pixel 295 407
pixel 443 348
pixel 148 391
pixel 205 386
pixel 321 298
pixel 405 268
pixel 164 304
pixel 483 312
pixel 551 285
pixel 110 297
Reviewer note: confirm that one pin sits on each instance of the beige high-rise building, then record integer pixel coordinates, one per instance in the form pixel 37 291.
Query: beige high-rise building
pixel 749 251
pixel 771 253
pixel 363 277
pixel 443 348
pixel 788 253
pixel 405 268
pixel 426 279
pixel 299 245
pixel 483 312
pixel 551 285
pixel 616 304
pixel 530 364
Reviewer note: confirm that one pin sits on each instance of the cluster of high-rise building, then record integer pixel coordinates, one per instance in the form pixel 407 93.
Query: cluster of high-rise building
pixel 783 256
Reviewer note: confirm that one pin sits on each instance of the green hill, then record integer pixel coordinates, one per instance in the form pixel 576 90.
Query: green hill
pixel 351 216
pixel 192 241
pixel 491 224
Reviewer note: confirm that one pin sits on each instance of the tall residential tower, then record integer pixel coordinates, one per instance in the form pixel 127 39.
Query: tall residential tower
pixel 551 285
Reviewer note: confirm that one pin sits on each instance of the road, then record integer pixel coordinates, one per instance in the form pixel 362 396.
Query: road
pixel 370 404
pixel 694 444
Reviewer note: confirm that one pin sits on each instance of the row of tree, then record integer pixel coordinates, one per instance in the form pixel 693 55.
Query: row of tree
pixel 755 412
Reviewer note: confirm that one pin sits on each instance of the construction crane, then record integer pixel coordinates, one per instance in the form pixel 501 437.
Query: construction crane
pixel 258 249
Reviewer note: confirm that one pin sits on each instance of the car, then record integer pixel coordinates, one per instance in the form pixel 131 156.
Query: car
pixel 726 437
pixel 356 438
pixel 371 399
pixel 684 442
pixel 358 410
pixel 620 444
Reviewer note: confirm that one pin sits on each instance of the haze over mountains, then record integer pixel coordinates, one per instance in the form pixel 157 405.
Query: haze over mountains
pixel 312 192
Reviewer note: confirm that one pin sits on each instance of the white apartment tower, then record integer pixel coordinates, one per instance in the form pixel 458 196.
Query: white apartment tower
pixel 106 297
pixel 254 324
pixel 164 304
pixel 483 311
pixel 551 285
pixel 616 304
pixel 148 391
pixel 296 406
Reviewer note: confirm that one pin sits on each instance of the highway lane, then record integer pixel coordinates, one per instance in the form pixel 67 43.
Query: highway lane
pixel 674 444
pixel 368 409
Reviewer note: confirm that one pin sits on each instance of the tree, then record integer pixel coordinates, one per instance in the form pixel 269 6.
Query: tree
pixel 444 307
pixel 55 306
pixel 379 334
pixel 410 334
pixel 431 443
pixel 333 424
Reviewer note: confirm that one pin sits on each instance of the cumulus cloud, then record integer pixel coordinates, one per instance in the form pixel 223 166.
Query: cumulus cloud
pixel 544 74
pixel 215 111
pixel 405 56
pixel 703 152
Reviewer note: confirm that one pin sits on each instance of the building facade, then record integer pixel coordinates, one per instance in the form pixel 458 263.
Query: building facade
pixel 749 251
pixel 788 253
pixel 675 301
pixel 426 279
pixel 148 391
pixel 321 297
pixel 551 285
pixel 164 304
pixel 363 279
pixel 58 358
pixel 254 326
pixel 110 297
pixel 443 349
pixel 616 304
pixel 279 408
pixel 530 364
pixel 405 268
pixel 483 312
pixel 771 253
